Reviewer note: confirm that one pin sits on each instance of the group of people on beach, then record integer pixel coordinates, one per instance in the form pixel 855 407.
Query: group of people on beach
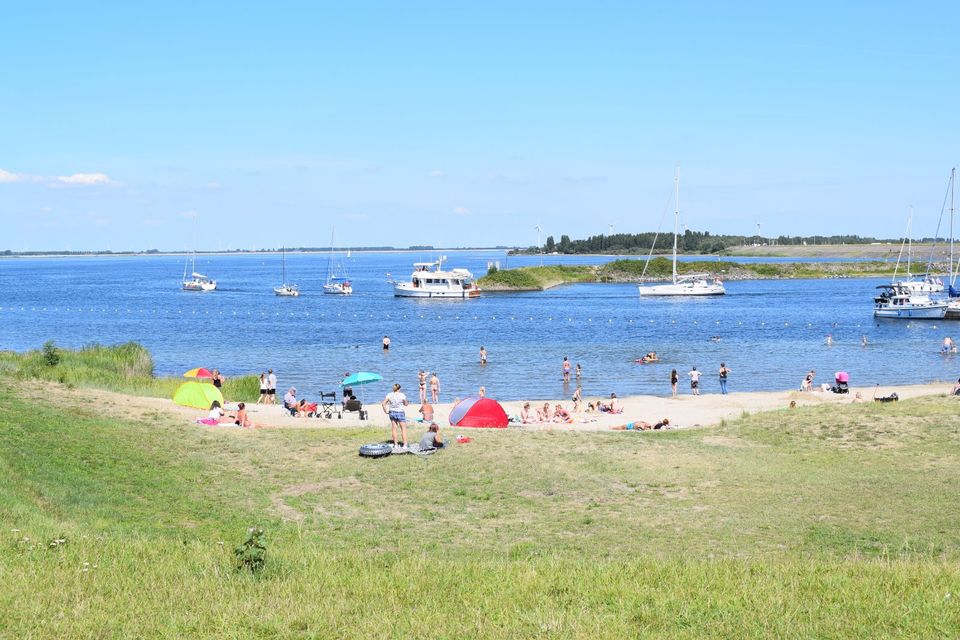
pixel 694 374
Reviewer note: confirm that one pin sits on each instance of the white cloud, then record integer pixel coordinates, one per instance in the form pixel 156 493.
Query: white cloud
pixel 461 211
pixel 10 177
pixel 46 209
pixel 437 173
pixel 85 179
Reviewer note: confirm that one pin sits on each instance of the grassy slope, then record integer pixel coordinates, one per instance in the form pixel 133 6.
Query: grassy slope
pixel 803 523
pixel 126 368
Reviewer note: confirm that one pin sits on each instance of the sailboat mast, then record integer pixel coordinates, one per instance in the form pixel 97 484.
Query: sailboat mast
pixel 952 272
pixel 283 264
pixel 676 225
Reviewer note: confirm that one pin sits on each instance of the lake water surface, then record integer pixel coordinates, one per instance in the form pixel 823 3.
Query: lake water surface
pixel 770 332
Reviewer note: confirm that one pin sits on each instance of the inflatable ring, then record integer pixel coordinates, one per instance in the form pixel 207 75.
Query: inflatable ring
pixel 376 450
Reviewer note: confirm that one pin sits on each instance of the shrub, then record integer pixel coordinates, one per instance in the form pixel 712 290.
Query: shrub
pixel 251 554
pixel 51 355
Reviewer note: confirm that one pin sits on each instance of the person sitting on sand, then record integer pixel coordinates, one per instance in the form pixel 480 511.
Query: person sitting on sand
pixel 426 411
pixel 807 384
pixel 432 438
pixel 859 397
pixel 544 414
pixel 217 413
pixel 527 416
pixel 590 407
pixel 613 406
pixel 242 419
pixel 561 415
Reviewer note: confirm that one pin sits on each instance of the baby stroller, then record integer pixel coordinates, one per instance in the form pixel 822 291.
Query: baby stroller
pixel 841 382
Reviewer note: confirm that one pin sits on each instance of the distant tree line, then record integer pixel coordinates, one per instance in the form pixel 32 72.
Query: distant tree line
pixel 700 242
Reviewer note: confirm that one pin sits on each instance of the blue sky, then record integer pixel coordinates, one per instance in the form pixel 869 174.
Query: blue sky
pixel 468 123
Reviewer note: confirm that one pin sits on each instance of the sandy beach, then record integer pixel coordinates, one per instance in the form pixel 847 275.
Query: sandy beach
pixel 684 411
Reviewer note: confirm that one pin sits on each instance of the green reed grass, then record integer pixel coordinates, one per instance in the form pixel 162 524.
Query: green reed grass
pixel 124 368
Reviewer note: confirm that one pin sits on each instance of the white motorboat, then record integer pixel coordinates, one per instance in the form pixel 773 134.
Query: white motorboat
pixel 286 290
pixel 429 280
pixel 198 282
pixel 337 281
pixel 694 284
pixel 898 301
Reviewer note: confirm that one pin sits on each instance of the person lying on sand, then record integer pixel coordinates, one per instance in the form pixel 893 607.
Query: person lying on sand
pixel 640 425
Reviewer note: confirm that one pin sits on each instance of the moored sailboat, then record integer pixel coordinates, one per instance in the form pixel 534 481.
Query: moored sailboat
pixel 694 284
pixel 286 290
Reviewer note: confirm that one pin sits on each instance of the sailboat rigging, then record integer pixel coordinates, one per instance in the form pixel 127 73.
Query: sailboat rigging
pixel 196 281
pixel 286 290
pixel 694 284
pixel 337 281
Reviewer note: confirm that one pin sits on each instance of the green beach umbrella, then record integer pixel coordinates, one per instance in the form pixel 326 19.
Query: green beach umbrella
pixel 197 394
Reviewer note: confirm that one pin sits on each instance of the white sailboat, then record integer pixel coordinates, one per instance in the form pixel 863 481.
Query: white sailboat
pixel 286 290
pixel 337 281
pixel 196 281
pixel 694 284
pixel 922 282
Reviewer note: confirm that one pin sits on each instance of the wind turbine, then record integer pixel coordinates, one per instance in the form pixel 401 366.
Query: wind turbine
pixel 539 246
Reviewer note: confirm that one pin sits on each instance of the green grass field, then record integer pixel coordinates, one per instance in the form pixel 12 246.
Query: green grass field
pixel 796 524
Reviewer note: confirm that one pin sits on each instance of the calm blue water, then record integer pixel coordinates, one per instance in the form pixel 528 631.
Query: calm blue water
pixel 771 332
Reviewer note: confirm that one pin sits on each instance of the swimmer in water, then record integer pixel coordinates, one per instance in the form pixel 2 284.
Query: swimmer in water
pixel 863 341
pixel 829 340
pixel 948 345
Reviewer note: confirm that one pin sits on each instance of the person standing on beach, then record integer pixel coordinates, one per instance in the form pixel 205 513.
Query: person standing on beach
pixel 694 381
pixel 674 379
pixel 723 378
pixel 566 369
pixel 394 406
pixel 386 343
pixel 435 388
pixel 483 355
pixel 271 387
pixel 422 379
pixel 263 399
pixel 577 398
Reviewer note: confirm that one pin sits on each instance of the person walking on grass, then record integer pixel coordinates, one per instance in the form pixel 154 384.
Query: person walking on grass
pixel 394 405
pixel 724 371
pixel 695 381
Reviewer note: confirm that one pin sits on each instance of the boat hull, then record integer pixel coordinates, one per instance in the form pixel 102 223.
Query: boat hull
pixel 199 286
pixel 407 290
pixel 682 290
pixel 337 289
pixel 932 312
pixel 287 292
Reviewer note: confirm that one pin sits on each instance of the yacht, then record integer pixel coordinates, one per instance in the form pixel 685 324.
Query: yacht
pixel 694 284
pixel 899 301
pixel 337 282
pixel 286 290
pixel 198 282
pixel 429 280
